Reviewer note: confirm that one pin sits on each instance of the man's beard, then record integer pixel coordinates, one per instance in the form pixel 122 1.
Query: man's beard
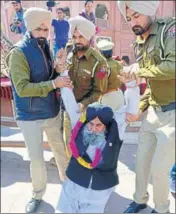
pixel 41 41
pixel 91 138
pixel 138 30
pixel 80 47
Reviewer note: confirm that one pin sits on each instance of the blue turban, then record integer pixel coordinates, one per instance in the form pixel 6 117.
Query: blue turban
pixel 104 113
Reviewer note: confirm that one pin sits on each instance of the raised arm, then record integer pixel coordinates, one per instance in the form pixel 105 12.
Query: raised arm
pixel 70 103
pixel 71 106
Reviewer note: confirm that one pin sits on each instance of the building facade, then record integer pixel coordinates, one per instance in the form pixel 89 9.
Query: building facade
pixel 108 18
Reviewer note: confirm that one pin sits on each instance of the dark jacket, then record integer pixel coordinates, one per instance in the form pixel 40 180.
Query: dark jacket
pixel 105 175
pixel 35 108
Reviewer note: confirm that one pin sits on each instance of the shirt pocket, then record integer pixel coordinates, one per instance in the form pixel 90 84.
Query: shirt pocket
pixel 85 78
pixel 154 55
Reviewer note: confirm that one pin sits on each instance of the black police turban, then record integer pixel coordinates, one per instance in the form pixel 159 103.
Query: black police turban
pixel 104 113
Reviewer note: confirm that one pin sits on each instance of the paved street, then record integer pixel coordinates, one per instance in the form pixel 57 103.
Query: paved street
pixel 16 186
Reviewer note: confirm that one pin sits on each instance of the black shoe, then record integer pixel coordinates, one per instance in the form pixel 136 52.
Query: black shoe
pixel 154 211
pixel 135 207
pixel 32 205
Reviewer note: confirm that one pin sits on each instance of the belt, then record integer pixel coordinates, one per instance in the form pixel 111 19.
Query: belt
pixel 169 107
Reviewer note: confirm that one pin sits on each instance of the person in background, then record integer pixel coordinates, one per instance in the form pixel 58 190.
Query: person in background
pixel 87 12
pixel 59 32
pixel 18 25
pixel 66 13
pixel 34 81
pixel 50 5
pixel 126 60
pixel 154 51
pixel 113 97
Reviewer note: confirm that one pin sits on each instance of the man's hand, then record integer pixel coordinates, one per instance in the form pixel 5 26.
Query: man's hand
pixel 60 63
pixel 128 73
pixel 61 82
pixel 126 77
pixel 81 107
pixel 129 118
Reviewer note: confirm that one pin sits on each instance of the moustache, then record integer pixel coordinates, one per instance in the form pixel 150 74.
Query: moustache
pixel 80 47
pixel 138 30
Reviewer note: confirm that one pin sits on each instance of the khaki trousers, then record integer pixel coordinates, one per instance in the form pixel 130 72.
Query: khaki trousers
pixel 155 157
pixel 33 135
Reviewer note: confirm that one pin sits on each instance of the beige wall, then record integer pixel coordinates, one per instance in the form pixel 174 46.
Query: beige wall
pixel 116 27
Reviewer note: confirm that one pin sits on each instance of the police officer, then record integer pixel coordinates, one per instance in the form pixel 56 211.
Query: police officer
pixel 155 52
pixel 88 69
pixel 113 97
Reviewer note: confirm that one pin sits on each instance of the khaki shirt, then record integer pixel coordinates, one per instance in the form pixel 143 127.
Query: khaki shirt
pixel 115 67
pixel 89 75
pixel 157 68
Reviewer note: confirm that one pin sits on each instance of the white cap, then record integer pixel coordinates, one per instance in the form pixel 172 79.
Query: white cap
pixel 35 16
pixel 84 26
pixel 105 45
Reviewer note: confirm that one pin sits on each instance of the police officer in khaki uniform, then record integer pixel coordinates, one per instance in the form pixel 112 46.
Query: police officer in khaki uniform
pixel 155 52
pixel 113 97
pixel 88 69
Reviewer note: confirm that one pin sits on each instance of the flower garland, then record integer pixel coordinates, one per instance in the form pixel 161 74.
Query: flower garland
pixel 75 151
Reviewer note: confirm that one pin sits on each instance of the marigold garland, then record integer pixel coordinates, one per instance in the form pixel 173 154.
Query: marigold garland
pixel 75 151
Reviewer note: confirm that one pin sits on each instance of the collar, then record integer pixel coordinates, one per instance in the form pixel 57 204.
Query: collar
pixel 153 31
pixel 86 54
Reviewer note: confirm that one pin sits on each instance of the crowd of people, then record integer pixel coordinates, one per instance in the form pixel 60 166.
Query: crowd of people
pixel 57 66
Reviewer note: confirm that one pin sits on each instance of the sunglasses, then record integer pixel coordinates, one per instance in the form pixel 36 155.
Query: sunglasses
pixel 41 29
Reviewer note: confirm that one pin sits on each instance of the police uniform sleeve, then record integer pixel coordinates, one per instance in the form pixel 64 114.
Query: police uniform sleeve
pixel 144 103
pixel 119 68
pixel 20 76
pixel 165 70
pixel 100 84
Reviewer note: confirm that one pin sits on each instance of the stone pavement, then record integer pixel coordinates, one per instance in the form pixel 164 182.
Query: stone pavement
pixel 12 136
pixel 16 186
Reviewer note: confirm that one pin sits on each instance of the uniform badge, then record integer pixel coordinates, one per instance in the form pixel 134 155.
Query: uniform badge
pixel 171 31
pixel 101 72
